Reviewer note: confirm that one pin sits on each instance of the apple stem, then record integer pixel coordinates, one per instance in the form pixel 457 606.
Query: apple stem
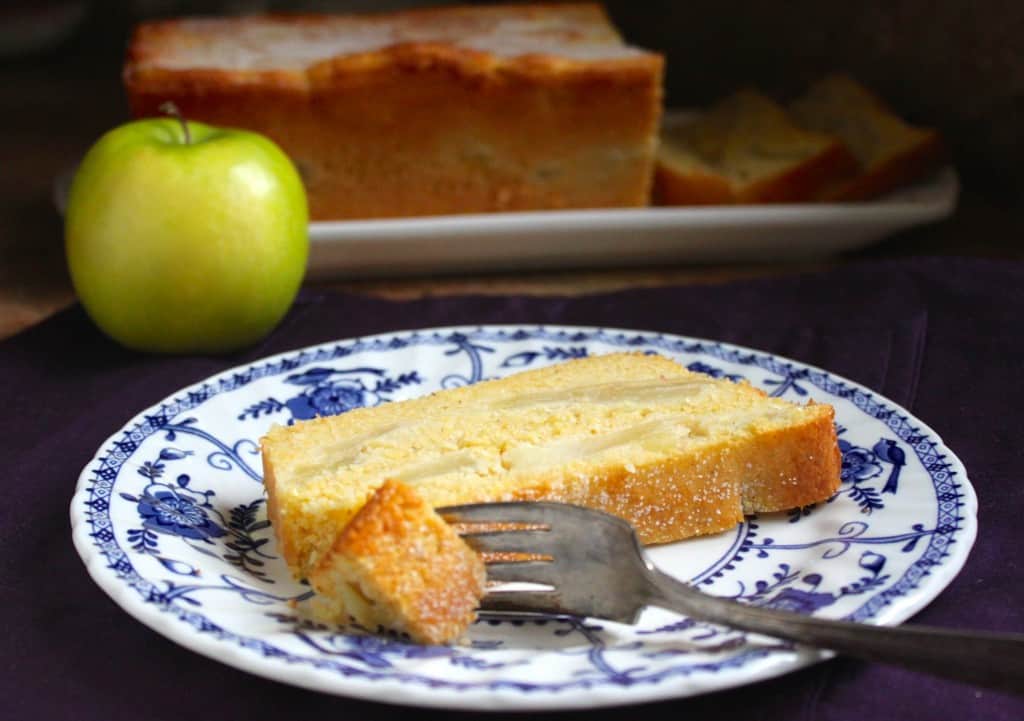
pixel 169 108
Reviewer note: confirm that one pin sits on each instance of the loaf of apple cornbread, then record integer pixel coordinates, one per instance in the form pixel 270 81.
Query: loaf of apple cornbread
pixel 422 112
pixel 675 453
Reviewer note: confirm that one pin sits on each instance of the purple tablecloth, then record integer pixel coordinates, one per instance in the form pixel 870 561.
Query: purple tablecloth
pixel 942 337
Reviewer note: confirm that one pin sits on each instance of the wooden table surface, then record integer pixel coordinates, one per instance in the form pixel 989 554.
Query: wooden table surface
pixel 53 108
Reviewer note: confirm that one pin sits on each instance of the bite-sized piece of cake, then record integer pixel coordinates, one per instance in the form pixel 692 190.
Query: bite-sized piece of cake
pixel 674 452
pixel 745 149
pixel 422 112
pixel 890 153
pixel 397 566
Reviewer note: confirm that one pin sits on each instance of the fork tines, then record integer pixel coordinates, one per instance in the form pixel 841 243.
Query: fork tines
pixel 495 533
pixel 555 558
pixel 513 540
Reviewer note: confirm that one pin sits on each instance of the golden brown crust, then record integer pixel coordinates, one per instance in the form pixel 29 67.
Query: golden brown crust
pixel 668 501
pixel 672 187
pixel 709 492
pixel 274 510
pixel 895 172
pixel 151 41
pixel 426 128
pixel 803 182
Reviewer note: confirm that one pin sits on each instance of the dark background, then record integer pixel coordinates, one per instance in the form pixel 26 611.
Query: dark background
pixel 953 64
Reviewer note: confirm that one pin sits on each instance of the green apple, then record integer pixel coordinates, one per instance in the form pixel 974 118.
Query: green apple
pixel 182 237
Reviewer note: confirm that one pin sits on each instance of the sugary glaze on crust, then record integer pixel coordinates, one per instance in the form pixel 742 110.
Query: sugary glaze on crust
pixel 303 50
pixel 397 566
pixel 298 42
pixel 676 453
pixel 560 114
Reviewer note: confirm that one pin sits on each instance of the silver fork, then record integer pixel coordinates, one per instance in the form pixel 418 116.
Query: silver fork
pixel 592 564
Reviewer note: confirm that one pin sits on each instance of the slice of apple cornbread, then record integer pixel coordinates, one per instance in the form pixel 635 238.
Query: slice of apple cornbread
pixel 675 453
pixel 397 566
pixel 746 149
pixel 890 152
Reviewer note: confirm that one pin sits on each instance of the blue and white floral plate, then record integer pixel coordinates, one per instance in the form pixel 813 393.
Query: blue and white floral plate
pixel 170 519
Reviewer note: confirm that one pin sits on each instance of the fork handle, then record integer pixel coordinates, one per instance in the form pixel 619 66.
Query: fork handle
pixel 993 660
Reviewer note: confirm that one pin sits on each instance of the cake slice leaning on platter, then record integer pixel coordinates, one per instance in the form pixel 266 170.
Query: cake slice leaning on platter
pixel 676 453
pixel 890 152
pixel 746 149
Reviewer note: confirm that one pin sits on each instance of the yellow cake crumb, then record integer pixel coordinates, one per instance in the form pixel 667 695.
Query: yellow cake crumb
pixel 676 453
pixel 398 566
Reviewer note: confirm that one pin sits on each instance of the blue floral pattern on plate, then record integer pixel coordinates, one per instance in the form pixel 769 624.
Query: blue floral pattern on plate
pixel 171 521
